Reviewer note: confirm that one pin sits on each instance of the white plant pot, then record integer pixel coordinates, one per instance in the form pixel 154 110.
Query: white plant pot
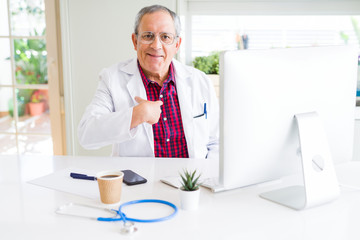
pixel 189 199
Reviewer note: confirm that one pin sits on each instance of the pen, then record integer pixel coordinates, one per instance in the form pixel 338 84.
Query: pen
pixel 82 176
pixel 205 112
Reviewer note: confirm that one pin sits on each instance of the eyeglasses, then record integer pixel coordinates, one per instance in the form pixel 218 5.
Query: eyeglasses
pixel 149 37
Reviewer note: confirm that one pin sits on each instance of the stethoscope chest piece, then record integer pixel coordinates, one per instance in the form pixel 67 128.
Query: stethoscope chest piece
pixel 128 228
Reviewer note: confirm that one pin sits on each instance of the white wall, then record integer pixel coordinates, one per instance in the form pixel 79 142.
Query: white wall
pixel 356 156
pixel 357 141
pixel 95 34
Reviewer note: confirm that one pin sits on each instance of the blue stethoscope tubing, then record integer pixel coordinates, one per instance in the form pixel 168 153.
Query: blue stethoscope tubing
pixel 124 218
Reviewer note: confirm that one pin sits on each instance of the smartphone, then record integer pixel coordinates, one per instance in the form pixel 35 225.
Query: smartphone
pixel 132 178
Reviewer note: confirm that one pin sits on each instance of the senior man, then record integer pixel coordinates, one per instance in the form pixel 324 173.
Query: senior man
pixel 153 106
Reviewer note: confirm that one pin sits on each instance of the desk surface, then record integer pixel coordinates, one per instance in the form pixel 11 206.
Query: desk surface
pixel 27 211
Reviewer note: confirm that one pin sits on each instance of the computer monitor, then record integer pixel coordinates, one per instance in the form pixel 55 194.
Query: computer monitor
pixel 260 93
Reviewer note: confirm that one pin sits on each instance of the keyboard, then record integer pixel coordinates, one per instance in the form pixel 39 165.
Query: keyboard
pixel 210 183
pixel 213 184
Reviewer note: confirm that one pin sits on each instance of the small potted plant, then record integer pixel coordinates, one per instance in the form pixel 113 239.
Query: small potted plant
pixel 190 190
pixel 36 104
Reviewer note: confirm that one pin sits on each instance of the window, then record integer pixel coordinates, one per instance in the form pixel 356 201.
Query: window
pixel 25 126
pixel 223 32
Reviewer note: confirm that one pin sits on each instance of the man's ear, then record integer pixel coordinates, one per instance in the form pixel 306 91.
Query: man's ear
pixel 134 40
pixel 178 43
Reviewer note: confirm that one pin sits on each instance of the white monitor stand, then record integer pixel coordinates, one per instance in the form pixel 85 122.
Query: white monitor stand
pixel 320 182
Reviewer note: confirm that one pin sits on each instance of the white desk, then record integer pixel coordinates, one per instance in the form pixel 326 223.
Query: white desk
pixel 27 211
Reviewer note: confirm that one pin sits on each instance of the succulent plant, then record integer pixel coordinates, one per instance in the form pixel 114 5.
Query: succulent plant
pixel 189 181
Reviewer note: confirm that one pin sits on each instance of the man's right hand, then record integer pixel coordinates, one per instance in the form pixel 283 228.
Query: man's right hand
pixel 145 111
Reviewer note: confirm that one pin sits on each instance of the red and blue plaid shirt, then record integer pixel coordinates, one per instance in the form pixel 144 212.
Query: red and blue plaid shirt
pixel 169 137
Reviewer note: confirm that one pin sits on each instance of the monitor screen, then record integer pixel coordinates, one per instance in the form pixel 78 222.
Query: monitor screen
pixel 260 93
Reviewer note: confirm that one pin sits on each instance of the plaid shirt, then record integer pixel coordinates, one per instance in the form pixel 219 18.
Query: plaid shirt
pixel 169 137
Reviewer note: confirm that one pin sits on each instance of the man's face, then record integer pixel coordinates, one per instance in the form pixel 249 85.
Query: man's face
pixel 156 57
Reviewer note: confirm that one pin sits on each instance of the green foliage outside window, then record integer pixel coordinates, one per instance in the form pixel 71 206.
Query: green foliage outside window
pixel 30 68
pixel 30 61
pixel 30 65
pixel 20 102
pixel 208 64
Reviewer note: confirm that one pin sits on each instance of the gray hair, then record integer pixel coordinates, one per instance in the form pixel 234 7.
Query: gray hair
pixel 157 8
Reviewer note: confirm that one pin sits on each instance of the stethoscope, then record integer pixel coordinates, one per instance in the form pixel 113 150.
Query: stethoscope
pixel 129 226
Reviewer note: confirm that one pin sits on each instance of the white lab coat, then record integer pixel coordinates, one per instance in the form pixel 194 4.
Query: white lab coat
pixel 107 119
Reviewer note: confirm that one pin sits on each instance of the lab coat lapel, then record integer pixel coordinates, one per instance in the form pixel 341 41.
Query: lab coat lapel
pixel 184 91
pixel 136 88
pixel 134 85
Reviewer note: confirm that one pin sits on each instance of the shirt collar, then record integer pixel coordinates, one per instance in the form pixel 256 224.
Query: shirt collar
pixel 170 78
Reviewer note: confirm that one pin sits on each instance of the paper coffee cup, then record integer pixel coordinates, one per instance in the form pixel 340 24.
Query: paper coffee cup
pixel 110 183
